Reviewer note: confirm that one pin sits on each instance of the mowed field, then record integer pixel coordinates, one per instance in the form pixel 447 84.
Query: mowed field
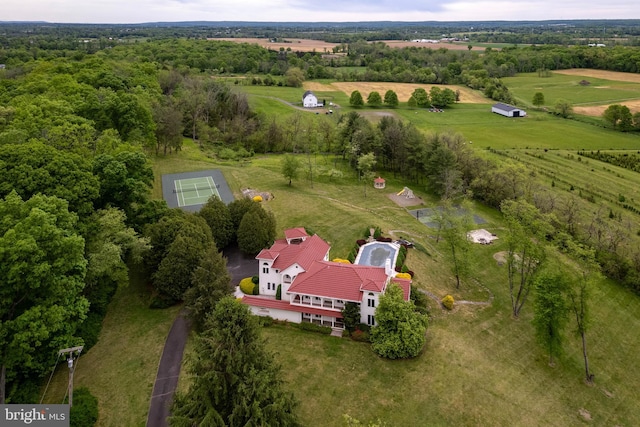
pixel 603 89
pixel 403 90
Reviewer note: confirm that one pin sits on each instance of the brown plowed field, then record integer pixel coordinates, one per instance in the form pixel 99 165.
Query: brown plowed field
pixel 403 90
pixel 307 45
pixel 601 74
pixel 446 45
pixel 299 45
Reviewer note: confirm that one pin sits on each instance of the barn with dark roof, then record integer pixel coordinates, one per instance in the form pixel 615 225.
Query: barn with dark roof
pixel 507 110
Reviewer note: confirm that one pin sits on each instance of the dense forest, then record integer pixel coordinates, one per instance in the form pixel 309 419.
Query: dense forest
pixel 79 121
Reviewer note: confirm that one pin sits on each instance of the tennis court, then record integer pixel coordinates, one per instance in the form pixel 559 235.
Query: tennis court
pixel 190 190
pixel 194 191
pixel 427 216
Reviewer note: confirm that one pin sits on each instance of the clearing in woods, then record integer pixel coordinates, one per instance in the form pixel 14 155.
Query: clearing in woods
pixel 403 90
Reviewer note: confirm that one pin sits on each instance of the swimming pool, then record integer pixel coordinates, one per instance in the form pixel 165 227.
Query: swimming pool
pixel 376 254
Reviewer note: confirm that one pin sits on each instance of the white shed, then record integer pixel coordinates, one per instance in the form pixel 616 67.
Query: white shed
pixel 508 110
pixel 309 100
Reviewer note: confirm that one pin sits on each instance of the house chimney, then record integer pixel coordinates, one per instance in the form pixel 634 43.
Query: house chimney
pixel 387 267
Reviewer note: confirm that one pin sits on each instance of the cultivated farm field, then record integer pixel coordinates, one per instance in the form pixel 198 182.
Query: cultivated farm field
pixel 403 90
pixel 563 86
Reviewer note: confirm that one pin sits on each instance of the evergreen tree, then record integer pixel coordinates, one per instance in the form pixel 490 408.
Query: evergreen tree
pixel 256 231
pixel 218 217
pixel 210 282
pixel 236 382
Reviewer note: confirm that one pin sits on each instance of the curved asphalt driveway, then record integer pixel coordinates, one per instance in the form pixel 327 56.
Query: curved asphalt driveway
pixel 168 372
pixel 239 266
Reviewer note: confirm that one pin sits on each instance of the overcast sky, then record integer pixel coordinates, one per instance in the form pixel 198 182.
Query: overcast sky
pixel 136 11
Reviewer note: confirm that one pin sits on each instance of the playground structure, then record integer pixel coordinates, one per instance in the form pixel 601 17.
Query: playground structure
pixel 406 192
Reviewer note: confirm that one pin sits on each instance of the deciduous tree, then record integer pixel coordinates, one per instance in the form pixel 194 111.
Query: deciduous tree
pixel 290 167
pixel 400 330
pixel 563 108
pixel 619 116
pixel 355 99
pixel 550 311
pixel 391 98
pixel 374 99
pixel 525 248
pixel 538 99
pixel 42 266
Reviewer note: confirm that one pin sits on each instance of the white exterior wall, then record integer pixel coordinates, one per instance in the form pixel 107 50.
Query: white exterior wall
pixel 502 112
pixel 290 316
pixel 271 278
pixel 292 271
pixel 310 101
pixel 365 310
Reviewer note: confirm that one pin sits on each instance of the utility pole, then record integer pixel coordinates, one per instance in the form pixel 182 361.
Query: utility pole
pixel 70 360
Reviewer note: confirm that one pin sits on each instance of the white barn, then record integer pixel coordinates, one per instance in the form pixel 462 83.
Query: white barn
pixel 507 110
pixel 309 100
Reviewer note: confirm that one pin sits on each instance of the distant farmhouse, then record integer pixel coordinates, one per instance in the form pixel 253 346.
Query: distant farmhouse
pixel 508 110
pixel 309 100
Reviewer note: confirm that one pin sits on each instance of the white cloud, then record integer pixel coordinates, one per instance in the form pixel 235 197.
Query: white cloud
pixel 133 11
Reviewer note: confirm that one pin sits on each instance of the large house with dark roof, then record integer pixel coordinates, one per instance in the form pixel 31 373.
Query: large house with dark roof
pixel 314 289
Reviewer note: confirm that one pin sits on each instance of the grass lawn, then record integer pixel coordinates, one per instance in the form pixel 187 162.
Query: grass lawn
pixel 477 123
pixel 120 369
pixel 537 130
pixel 560 86
pixel 480 367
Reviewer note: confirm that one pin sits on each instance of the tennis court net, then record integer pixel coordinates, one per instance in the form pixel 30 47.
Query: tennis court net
pixel 194 188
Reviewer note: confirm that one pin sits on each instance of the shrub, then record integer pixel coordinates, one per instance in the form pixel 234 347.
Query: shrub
pixel 90 329
pixel 227 154
pixel 351 257
pixel 84 412
pixel 363 327
pixel 256 289
pixel 265 321
pixel 404 269
pixel 279 292
pixel 448 302
pixel 326 330
pixel 247 285
pixel 361 336
pixel 255 279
